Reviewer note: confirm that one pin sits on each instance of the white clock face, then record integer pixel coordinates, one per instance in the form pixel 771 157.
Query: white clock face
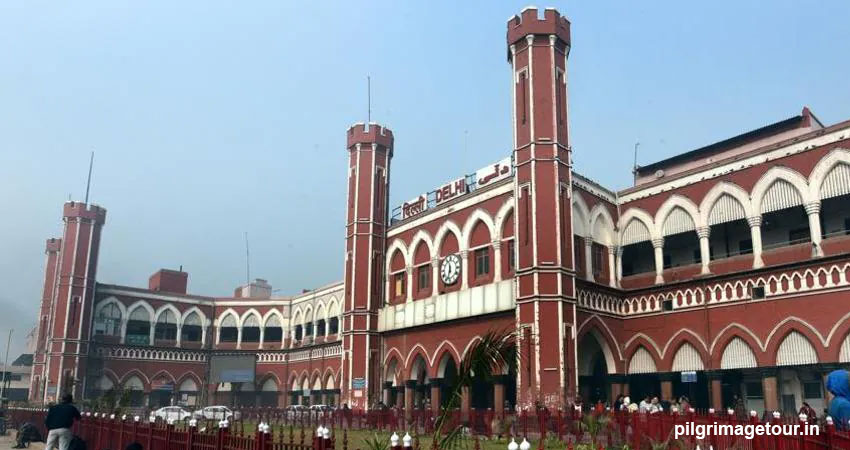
pixel 450 269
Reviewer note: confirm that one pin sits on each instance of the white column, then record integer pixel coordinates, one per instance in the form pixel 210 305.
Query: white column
pixel 179 334
pixel 262 335
pixel 704 250
pixel 435 276
pixel 409 271
pixel 239 337
pixel 813 210
pixel 464 269
pixel 755 236
pixel 612 266
pixel 658 245
pixel 619 257
pixel 497 264
pixel 588 258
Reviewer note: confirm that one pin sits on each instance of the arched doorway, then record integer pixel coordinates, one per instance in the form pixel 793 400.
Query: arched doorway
pixel 593 371
pixel 447 372
pixel 419 374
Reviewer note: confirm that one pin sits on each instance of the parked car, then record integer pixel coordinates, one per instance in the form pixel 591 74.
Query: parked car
pixel 321 408
pixel 172 413
pixel 296 411
pixel 213 413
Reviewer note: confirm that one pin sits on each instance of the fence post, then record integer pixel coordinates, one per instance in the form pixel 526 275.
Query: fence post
pixel 190 434
pixel 151 423
pixel 830 429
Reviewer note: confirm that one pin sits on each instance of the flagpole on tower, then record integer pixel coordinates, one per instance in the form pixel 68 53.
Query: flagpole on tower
pixel 88 182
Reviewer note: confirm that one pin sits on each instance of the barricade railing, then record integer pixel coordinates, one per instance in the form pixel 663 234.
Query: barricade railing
pixel 599 427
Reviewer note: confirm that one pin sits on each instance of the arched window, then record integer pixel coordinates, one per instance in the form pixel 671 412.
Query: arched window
pixel 108 321
pixel 227 330
pixel 191 330
pixel 333 318
pixel 272 331
pixel 251 329
pixel 138 327
pixel 166 326
pixel 308 324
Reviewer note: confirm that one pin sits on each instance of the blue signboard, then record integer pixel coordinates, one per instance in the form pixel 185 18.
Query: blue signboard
pixel 689 377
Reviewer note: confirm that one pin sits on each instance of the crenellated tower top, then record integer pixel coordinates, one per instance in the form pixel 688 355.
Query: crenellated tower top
pixel 369 133
pixel 529 23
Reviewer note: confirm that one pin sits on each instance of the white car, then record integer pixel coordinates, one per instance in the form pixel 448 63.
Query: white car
pixel 172 413
pixel 214 413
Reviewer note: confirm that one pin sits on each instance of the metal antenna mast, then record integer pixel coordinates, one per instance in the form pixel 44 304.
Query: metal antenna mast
pixel 247 260
pixel 88 182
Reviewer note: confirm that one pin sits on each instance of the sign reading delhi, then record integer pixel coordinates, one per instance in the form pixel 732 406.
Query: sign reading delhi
pixel 464 185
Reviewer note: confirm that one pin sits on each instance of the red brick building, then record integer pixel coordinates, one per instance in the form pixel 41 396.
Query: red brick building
pixel 722 271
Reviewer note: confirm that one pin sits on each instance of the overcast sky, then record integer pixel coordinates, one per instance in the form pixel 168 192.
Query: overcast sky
pixel 209 119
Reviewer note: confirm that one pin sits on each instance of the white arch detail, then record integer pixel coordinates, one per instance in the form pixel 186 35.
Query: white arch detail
pixel 719 190
pixel 397 245
pixel 502 215
pixel 419 237
pixel 774 174
pixel 448 227
pixel 683 331
pixel 479 215
pixel 602 225
pixel 581 216
pixel 824 167
pixel 740 327
pixel 669 205
pixel 797 320
pixel 641 216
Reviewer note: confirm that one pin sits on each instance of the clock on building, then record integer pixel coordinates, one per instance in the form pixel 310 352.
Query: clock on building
pixel 450 269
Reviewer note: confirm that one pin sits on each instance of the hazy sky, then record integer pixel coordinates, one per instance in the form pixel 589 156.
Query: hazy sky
pixel 209 119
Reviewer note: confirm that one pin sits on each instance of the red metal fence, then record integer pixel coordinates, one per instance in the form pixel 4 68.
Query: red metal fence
pixel 601 428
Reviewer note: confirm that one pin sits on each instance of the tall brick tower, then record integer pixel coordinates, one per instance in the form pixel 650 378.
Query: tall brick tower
pixel 537 51
pixel 51 270
pixel 370 149
pixel 69 321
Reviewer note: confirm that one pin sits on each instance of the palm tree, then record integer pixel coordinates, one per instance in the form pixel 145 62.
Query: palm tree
pixel 490 356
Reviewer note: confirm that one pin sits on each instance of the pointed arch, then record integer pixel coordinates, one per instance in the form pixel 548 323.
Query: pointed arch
pixel 438 363
pixel 719 204
pixel 687 358
pixel 228 312
pixel 448 227
pixel 829 176
pixel 167 307
pixel 146 382
pixel 737 354
pixel 686 335
pixel 581 216
pixel 397 246
pixel 194 309
pixel 766 196
pixel 795 349
pixel 479 215
pixel 601 339
pixel 392 372
pixel 273 313
pixel 642 361
pixel 678 214
pixel 636 226
pixel 602 225
pixel 594 321
pixel 505 211
pixel 167 374
pixel 112 300
pixel 421 237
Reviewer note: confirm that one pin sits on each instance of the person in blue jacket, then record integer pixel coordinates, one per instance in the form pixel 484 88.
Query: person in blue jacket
pixel 838 383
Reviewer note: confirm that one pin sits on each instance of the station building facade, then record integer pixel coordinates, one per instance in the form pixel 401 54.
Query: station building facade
pixel 723 271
